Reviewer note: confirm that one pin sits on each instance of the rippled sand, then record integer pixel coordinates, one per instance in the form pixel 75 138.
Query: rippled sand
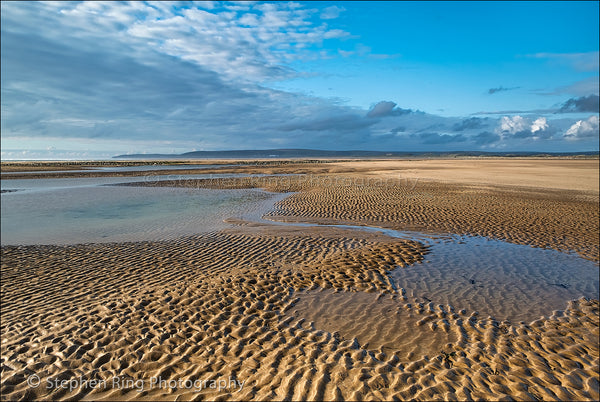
pixel 282 309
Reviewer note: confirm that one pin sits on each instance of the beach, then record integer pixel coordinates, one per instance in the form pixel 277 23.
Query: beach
pixel 291 304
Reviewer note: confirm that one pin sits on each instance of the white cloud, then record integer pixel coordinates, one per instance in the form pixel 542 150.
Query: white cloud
pixel 335 33
pixel 583 129
pixel 331 12
pixel 521 127
pixel 540 124
pixel 209 5
pixel 513 125
pixel 248 41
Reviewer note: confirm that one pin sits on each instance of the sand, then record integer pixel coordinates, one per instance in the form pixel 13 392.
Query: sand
pixel 278 308
pixel 558 173
pixel 565 220
pixel 565 174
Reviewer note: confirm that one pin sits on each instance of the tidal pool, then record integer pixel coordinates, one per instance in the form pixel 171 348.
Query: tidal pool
pixel 89 210
pixel 491 277
pixel 465 274
pixel 498 279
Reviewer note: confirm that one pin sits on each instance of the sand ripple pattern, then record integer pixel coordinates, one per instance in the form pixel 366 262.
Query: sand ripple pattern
pixel 244 303
pixel 558 219
pixel 220 305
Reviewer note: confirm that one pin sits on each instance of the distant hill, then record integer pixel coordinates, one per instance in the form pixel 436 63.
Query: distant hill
pixel 317 153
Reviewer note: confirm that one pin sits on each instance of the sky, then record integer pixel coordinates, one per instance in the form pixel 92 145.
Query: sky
pixel 92 80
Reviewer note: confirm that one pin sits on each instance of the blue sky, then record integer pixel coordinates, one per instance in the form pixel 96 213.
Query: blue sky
pixel 96 79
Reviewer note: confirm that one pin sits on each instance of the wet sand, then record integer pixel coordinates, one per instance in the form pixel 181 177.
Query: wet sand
pixel 284 309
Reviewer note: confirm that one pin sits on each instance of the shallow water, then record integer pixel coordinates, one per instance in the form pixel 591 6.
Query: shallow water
pixel 491 277
pixel 498 279
pixel 140 168
pixel 462 274
pixel 146 168
pixel 69 183
pixel 87 210
pixel 376 322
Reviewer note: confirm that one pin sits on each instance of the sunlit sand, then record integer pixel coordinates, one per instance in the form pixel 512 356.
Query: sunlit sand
pixel 495 296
